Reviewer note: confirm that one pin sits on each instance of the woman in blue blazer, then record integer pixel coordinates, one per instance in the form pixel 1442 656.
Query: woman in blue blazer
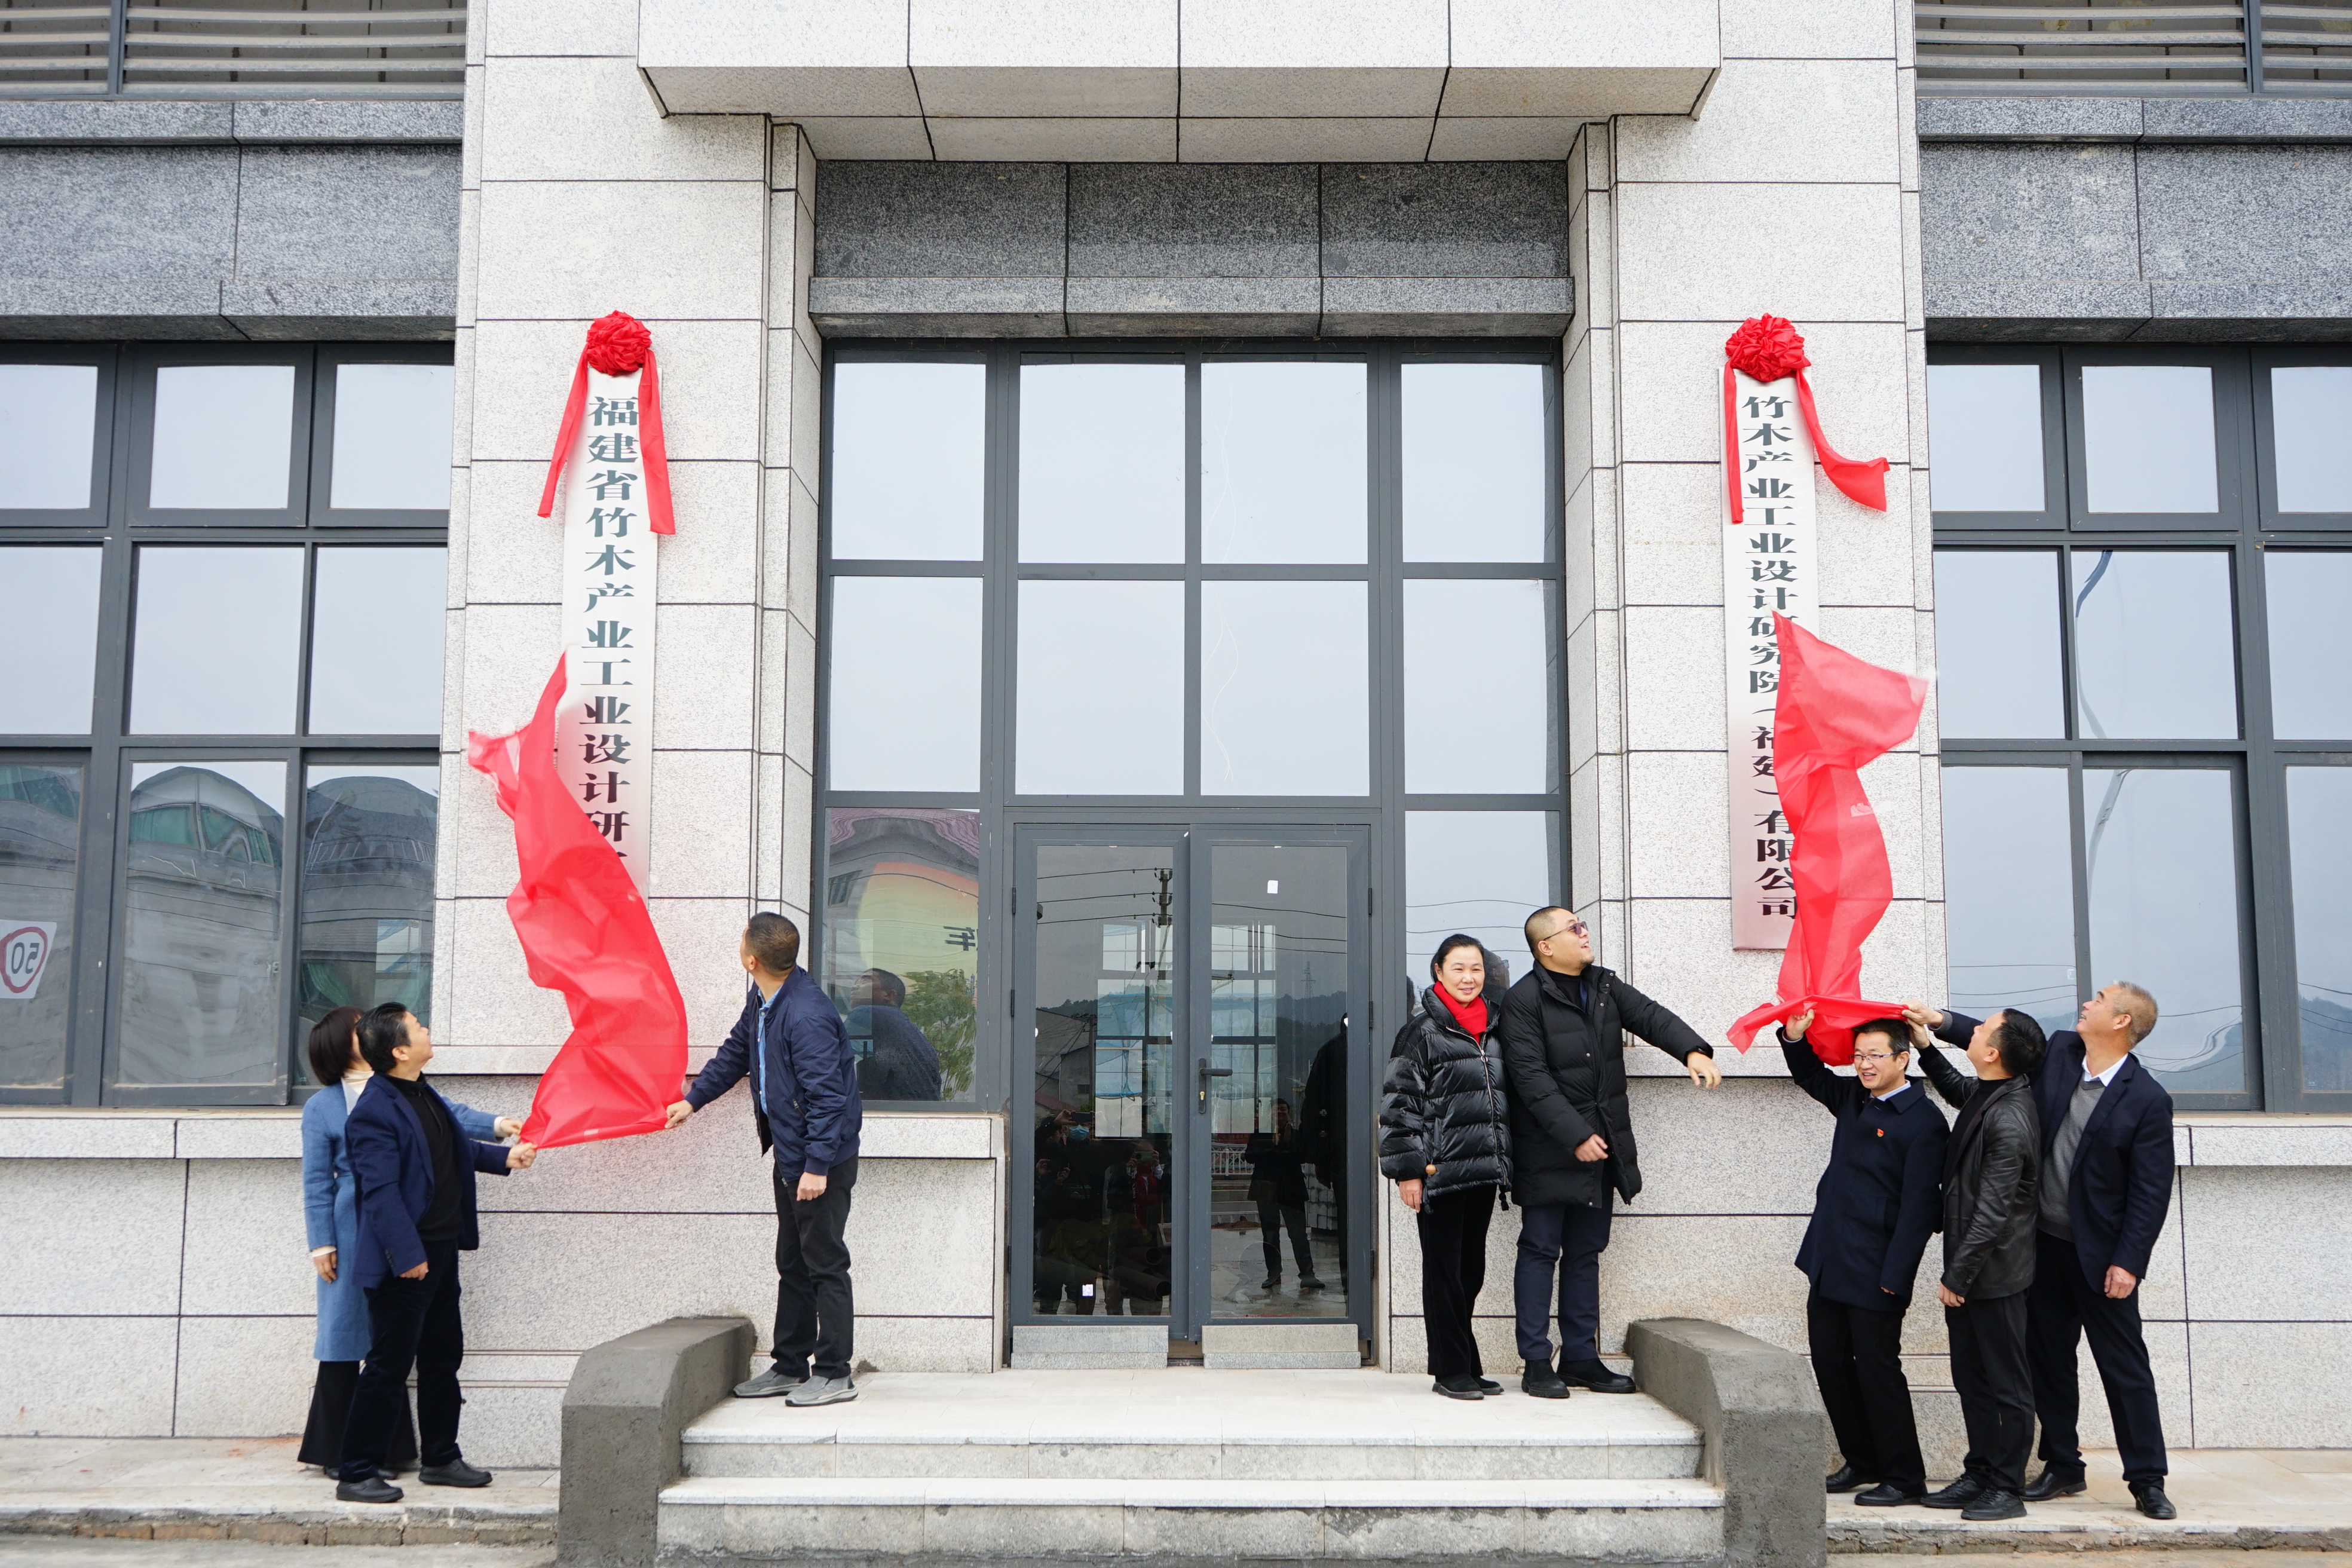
pixel 330 1211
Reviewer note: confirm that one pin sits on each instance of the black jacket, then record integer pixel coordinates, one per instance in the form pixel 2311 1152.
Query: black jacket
pixel 1567 1062
pixel 1277 1164
pixel 1881 1195
pixel 1444 1116
pixel 2121 1186
pixel 1991 1170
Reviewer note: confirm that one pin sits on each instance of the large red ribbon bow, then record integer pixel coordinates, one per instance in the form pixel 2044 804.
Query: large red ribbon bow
pixel 617 344
pixel 1767 348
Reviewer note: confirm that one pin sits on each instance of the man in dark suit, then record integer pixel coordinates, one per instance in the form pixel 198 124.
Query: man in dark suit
pixel 805 1104
pixel 1878 1201
pixel 413 1170
pixel 2106 1185
pixel 900 1062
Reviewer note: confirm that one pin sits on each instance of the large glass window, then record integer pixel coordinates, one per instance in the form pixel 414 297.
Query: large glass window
pixel 2141 698
pixel 901 954
pixel 228 569
pixel 1100 709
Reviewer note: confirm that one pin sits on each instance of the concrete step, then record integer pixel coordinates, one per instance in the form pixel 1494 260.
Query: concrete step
pixel 1655 1521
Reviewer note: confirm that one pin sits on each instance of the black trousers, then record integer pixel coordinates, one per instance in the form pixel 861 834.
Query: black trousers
pixel 1453 1227
pixel 1995 1389
pixel 331 1405
pixel 410 1324
pixel 815 1318
pixel 2062 1308
pixel 1272 1217
pixel 1858 1364
pixel 1561 1244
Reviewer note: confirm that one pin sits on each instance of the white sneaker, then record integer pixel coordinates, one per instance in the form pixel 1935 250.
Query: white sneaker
pixel 822 1391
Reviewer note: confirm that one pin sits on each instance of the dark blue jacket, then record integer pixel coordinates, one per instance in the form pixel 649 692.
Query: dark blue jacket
pixel 805 1100
pixel 2121 1186
pixel 392 1166
pixel 1881 1197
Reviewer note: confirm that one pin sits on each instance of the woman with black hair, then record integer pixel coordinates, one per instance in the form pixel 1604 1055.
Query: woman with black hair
pixel 331 1214
pixel 1445 1141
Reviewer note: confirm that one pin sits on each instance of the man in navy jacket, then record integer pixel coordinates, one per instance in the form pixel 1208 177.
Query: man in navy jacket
pixel 2106 1185
pixel 413 1168
pixel 1879 1200
pixel 804 1101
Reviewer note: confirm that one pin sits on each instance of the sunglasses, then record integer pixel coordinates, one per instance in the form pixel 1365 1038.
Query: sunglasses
pixel 1572 928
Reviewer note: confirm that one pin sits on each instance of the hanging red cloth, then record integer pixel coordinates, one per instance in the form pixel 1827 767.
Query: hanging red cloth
pixel 586 932
pixel 617 344
pixel 1834 713
pixel 1767 348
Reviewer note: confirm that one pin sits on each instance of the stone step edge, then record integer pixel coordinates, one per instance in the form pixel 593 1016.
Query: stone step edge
pixel 784 1436
pixel 282 1522
pixel 945 1491
pixel 1937 1536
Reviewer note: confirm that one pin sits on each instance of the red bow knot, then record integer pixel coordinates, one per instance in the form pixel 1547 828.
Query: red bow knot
pixel 617 344
pixel 1768 349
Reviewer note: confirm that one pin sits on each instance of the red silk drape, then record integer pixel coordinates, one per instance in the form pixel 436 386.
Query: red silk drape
pixel 1768 349
pixel 617 344
pixel 1834 714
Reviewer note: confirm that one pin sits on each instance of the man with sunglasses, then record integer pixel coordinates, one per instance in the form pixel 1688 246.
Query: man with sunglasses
pixel 1572 1139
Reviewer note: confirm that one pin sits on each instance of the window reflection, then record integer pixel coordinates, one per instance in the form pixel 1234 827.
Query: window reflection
pixel 50 411
pixel 48 639
pixel 2147 438
pixel 204 892
pixel 40 833
pixel 376 634
pixel 1282 462
pixel 1102 462
pixel 368 835
pixel 1998 662
pixel 903 704
pixel 1985 421
pixel 1474 462
pixel 224 436
pixel 392 437
pixel 2160 851
pixel 1101 701
pixel 1482 873
pixel 2155 645
pixel 216 640
pixel 2311 643
pixel 2319 805
pixel 2311 432
pixel 2009 893
pixel 1285 700
pixel 902 946
pixel 1479 660
pixel 907 462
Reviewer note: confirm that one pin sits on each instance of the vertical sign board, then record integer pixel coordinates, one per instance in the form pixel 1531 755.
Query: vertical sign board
pixel 1768 565
pixel 604 740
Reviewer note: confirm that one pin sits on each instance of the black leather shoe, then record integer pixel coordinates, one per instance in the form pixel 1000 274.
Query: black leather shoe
pixel 456 1473
pixel 1541 1381
pixel 1992 1504
pixel 375 1489
pixel 1886 1494
pixel 1462 1387
pixel 1846 1479
pixel 1960 1494
pixel 2054 1482
pixel 2153 1503
pixel 1490 1388
pixel 1594 1376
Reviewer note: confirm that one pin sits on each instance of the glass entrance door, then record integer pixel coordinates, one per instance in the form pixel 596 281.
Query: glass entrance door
pixel 1196 1146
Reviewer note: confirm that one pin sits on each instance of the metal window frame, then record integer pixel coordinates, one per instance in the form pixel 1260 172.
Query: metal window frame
pixel 106 359
pixel 118 528
pixel 2264 360
pixel 331 358
pixel 2245 530
pixel 1382 808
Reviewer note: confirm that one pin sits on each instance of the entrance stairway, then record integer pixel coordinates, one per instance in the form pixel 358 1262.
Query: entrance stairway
pixel 1186 1462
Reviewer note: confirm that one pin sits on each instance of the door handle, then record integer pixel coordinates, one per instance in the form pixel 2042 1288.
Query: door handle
pixel 1208 1072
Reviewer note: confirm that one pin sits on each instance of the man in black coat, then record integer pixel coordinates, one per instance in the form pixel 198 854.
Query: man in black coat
pixel 1880 1198
pixel 1572 1139
pixel 2106 1185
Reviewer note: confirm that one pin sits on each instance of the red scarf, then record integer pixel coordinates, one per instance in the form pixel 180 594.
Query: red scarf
pixel 1470 1014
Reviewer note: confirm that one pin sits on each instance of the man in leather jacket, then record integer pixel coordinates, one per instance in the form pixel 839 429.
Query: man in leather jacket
pixel 1991 1167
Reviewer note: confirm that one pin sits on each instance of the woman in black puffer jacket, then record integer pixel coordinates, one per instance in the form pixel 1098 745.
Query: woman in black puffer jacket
pixel 1445 1141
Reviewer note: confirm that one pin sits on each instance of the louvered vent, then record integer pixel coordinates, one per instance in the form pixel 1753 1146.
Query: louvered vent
pixel 253 48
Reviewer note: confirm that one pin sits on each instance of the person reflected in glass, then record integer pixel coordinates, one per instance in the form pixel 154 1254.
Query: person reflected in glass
pixel 900 1063
pixel 1323 1125
pixel 1139 1251
pixel 1278 1187
pixel 330 1216
pixel 1445 1141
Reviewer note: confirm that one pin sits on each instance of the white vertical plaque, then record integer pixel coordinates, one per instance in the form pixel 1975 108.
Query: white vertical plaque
pixel 604 738
pixel 1768 567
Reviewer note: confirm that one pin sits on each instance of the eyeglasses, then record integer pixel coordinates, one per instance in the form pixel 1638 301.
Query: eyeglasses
pixel 1861 1056
pixel 1573 928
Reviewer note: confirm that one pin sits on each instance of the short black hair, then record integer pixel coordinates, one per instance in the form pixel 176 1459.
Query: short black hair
pixel 2020 1041
pixel 774 941
pixel 380 1031
pixel 888 987
pixel 329 1049
pixel 1449 945
pixel 1897 1033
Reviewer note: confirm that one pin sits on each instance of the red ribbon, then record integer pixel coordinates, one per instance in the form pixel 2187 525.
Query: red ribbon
pixel 617 344
pixel 1767 349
